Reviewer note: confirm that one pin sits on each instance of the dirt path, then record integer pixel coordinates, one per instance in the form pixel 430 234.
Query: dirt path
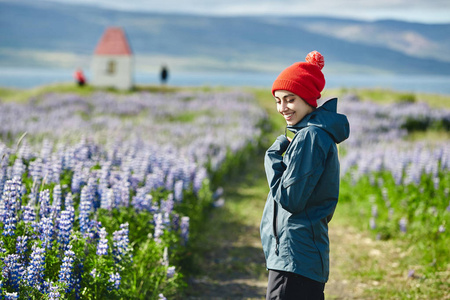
pixel 232 264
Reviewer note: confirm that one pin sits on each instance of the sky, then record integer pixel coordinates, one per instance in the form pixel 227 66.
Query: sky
pixel 424 11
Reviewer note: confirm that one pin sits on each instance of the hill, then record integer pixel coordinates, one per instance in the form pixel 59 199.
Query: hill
pixel 63 35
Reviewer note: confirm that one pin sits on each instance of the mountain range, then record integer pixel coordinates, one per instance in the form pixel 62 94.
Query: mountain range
pixel 56 35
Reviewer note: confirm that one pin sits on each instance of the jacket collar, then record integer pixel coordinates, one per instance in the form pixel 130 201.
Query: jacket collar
pixel 330 105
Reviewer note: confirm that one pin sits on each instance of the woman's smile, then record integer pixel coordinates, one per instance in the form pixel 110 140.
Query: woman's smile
pixel 291 106
pixel 288 116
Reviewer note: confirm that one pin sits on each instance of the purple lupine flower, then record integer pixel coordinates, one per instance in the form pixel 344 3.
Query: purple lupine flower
pixel 93 191
pixel 65 226
pixel 167 208
pixel 161 297
pixel 198 180
pixel 29 215
pixel 2 247
pixel 390 213
pixel 56 167
pixel 168 204
pixel 77 178
pixel 56 204
pixel 124 193
pixel 441 229
pixel 94 273
pixel 21 245
pixel 175 222
pixel 10 224
pixel 143 201
pixel 85 209
pixel 185 229
pixel 178 191
pixel 159 227
pixel 116 195
pixel 18 168
pixel 219 203
pixel 218 193
pixel 33 197
pixel 11 296
pixel 16 194
pixel 44 202
pixel 115 279
pixel 93 230
pixel 11 270
pixel 121 243
pixel 102 247
pixel 374 211
pixel 107 199
pixel 154 180
pixel 169 181
pixel 68 205
pixel 403 223
pixel 35 169
pixel 436 182
pixel 65 273
pixel 36 267
pixel 170 272
pixel 46 232
pixel 10 204
pixel 68 201
pixel 373 224
pixel 53 292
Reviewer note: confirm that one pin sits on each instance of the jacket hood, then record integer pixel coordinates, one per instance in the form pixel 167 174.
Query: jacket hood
pixel 326 118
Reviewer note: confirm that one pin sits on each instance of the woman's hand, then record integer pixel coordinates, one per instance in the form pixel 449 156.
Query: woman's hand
pixel 289 139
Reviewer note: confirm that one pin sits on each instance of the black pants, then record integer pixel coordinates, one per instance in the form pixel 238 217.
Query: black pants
pixel 290 286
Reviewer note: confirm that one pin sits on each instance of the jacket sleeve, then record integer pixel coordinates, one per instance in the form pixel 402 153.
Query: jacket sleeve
pixel 292 183
pixel 273 161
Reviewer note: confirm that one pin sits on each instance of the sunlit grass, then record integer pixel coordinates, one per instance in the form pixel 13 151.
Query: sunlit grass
pixel 386 96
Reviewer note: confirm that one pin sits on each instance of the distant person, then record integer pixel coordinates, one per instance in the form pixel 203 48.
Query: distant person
pixel 164 74
pixel 303 178
pixel 79 77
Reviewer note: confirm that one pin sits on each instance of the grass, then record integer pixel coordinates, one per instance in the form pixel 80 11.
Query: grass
pixel 386 96
pixel 22 95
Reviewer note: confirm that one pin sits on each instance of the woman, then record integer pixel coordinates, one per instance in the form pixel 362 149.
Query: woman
pixel 303 176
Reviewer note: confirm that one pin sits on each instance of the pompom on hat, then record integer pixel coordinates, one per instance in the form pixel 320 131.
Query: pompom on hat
pixel 304 79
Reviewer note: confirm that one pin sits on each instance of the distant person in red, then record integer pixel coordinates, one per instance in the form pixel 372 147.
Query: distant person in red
pixel 79 77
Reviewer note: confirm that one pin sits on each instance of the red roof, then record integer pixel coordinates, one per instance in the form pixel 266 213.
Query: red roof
pixel 113 42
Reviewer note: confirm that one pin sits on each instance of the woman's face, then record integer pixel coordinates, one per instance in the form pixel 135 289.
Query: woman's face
pixel 291 106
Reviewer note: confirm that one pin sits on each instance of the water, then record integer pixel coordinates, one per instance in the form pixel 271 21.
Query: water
pixel 32 77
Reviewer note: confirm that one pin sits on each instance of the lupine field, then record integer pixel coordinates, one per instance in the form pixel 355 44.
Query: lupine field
pixel 398 187
pixel 102 195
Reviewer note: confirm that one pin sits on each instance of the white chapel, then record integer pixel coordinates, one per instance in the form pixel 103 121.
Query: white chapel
pixel 112 64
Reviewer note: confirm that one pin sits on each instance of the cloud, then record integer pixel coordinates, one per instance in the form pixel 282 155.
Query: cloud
pixel 419 10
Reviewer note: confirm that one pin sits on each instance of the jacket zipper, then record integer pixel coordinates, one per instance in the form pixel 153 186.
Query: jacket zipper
pixel 274 226
pixel 275 213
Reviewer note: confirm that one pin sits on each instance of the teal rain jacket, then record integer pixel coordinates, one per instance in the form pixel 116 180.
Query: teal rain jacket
pixel 304 190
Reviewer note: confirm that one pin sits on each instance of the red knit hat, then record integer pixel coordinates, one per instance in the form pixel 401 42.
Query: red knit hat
pixel 304 79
